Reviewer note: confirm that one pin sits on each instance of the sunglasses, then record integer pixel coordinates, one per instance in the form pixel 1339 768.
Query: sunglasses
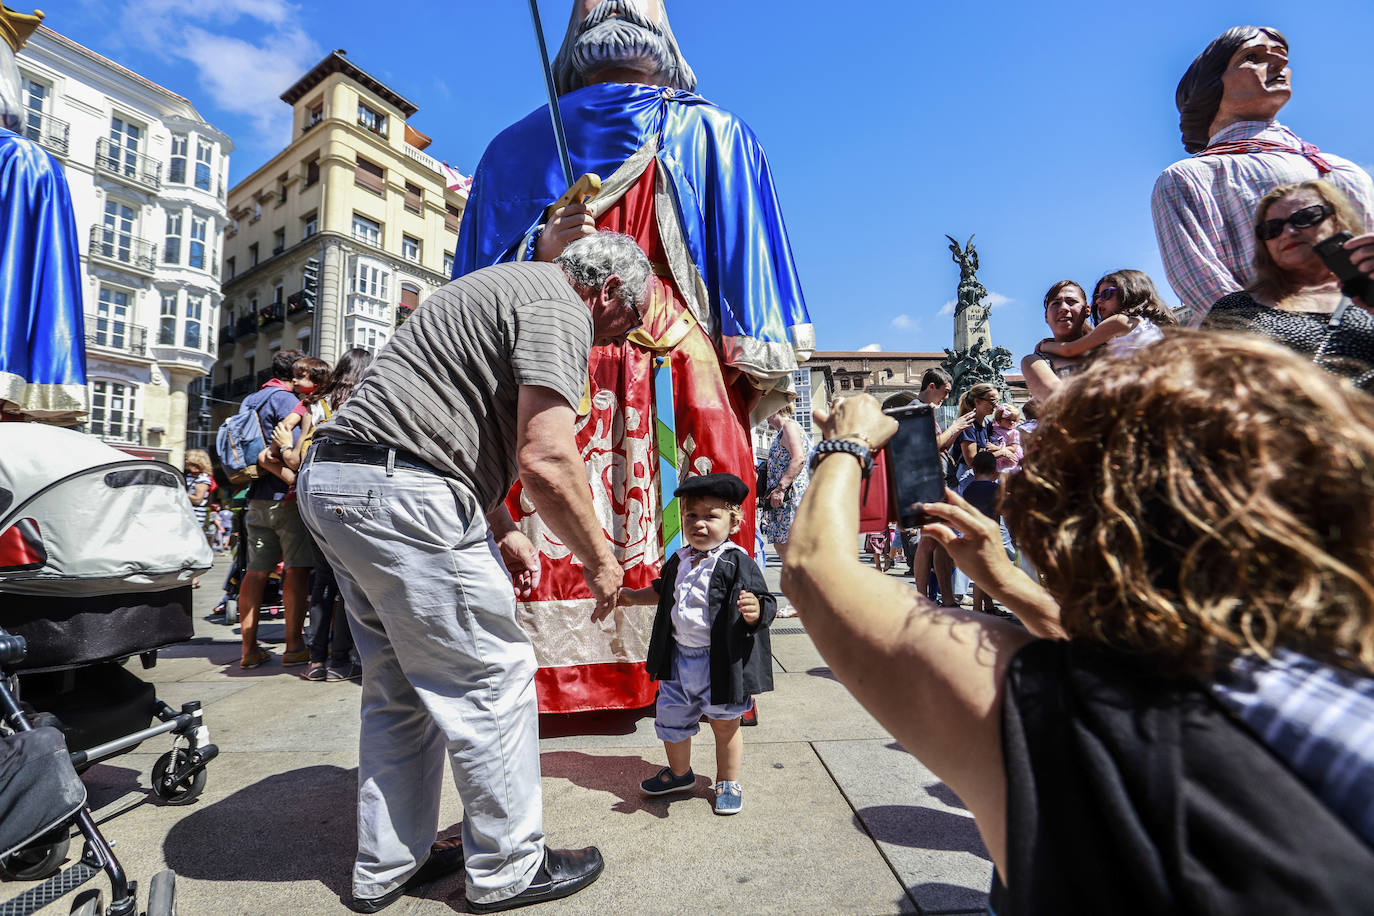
pixel 989 397
pixel 1301 219
pixel 1105 293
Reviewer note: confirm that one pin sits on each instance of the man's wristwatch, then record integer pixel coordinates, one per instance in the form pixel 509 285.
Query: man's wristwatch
pixel 848 447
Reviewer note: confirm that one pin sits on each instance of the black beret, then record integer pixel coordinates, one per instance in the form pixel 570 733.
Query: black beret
pixel 722 486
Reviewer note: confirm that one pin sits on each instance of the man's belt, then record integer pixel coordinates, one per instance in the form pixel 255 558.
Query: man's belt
pixel 362 453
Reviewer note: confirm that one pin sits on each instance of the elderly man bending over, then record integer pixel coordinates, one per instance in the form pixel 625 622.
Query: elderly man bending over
pixel 404 491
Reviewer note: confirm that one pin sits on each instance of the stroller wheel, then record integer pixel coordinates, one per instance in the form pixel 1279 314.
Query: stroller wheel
pixel 162 894
pixel 37 860
pixel 88 903
pixel 176 791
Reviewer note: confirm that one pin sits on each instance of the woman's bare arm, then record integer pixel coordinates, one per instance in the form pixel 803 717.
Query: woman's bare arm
pixel 932 676
pixel 1040 377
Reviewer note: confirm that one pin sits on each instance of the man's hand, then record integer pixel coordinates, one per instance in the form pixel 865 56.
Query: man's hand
pixel 860 415
pixel 567 225
pixel 963 422
pixel 1361 249
pixel 281 437
pixel 522 562
pixel 749 607
pixel 604 582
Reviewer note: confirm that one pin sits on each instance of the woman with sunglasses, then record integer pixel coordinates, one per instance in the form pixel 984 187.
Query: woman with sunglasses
pixel 1297 301
pixel 1127 315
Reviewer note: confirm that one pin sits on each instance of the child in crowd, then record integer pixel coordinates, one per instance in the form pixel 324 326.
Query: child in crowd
pixel 308 377
pixel 1003 432
pixel 982 492
pixel 709 648
pixel 1127 315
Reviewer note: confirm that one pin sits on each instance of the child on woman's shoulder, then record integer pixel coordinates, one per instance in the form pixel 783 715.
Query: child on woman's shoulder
pixel 709 649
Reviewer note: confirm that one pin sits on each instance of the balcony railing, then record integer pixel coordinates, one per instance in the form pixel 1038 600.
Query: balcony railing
pixel 246 326
pixel 226 338
pixel 296 305
pixel 241 386
pixel 123 163
pixel 127 432
pixel 47 131
pixel 220 392
pixel 274 313
pixel 129 250
pixel 116 336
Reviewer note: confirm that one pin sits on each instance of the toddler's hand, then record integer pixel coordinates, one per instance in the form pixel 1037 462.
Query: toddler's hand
pixel 625 598
pixel 749 607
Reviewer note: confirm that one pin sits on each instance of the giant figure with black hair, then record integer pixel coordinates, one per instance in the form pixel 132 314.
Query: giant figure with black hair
pixel 690 182
pixel 1204 206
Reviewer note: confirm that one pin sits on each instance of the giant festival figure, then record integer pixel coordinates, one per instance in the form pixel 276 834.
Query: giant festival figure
pixel 689 181
pixel 42 342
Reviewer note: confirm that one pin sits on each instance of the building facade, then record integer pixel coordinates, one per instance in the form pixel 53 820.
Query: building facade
pixel 335 239
pixel 148 178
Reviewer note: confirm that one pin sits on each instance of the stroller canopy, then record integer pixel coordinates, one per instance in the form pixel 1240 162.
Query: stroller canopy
pixel 78 517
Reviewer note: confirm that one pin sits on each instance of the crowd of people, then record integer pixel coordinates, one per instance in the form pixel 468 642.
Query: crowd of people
pixel 1174 533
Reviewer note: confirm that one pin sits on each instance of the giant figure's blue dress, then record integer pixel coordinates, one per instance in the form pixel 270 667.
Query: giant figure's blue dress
pixel 42 341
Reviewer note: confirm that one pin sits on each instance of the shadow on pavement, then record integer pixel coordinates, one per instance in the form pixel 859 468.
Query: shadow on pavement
pixel 601 722
pixel 619 776
pixel 295 826
pixel 923 828
pixel 822 672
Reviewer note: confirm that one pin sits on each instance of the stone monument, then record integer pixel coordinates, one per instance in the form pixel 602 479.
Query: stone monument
pixel 974 359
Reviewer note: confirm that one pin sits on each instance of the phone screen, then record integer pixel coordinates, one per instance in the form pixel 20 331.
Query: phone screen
pixel 914 471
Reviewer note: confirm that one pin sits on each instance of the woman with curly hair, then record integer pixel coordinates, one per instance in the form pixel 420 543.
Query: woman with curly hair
pixel 1188 725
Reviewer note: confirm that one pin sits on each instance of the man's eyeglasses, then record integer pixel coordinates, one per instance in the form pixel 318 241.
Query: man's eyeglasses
pixel 1300 219
pixel 1105 293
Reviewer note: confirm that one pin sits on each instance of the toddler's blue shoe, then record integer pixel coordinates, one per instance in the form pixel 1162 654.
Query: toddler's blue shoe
pixel 665 783
pixel 729 797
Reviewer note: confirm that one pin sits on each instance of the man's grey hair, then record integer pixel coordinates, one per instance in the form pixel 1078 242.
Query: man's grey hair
pixel 591 260
pixel 1198 96
pixel 616 33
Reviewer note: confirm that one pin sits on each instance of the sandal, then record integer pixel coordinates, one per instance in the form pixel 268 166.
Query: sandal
pixel 255 658
pixel 316 672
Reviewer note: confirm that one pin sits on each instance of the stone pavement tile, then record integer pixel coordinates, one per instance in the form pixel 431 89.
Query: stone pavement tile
pixel 794 652
pixel 924 830
pixel 281 712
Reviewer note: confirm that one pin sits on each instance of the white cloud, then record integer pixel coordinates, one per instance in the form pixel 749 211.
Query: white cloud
pixel 948 307
pixel 904 323
pixel 242 75
pixel 872 348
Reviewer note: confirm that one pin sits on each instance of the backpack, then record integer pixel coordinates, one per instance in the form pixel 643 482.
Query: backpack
pixel 239 441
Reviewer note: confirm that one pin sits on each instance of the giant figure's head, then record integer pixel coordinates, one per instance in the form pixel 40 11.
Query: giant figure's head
pixel 620 35
pixel 15 29
pixel 1243 74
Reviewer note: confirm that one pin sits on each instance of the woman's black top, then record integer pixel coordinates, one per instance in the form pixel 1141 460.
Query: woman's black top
pixel 1131 793
pixel 1347 349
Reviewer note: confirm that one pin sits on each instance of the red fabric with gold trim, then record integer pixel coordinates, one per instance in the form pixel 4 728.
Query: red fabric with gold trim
pixel 587 666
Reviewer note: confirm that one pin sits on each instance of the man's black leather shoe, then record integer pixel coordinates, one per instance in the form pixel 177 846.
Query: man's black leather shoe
pixel 445 858
pixel 564 872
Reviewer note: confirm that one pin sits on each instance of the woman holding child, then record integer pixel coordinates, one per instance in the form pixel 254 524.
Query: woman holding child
pixel 1188 725
pixel 1066 313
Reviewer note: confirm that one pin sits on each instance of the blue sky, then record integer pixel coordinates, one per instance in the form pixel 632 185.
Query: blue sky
pixel 1038 127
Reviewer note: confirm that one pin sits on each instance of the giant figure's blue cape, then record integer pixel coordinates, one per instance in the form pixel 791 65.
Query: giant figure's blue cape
pixel 42 341
pixel 722 188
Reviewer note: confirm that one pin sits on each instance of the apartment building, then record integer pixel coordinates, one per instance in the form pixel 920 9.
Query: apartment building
pixel 147 176
pixel 335 239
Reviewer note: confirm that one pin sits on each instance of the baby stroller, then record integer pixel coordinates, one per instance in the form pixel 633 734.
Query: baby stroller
pixel 97 553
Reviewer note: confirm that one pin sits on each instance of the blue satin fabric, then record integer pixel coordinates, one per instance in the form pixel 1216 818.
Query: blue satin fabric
pixel 42 340
pixel 726 202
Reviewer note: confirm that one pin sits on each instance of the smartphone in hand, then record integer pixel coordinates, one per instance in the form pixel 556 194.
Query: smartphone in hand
pixel 915 473
pixel 1337 260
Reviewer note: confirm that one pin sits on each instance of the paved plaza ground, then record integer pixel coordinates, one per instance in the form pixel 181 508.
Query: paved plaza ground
pixel 837 817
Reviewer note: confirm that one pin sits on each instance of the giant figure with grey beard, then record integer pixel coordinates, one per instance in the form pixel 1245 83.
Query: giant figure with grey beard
pixel 690 182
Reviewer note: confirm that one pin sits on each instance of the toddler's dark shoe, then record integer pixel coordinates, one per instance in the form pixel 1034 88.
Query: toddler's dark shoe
pixel 665 783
